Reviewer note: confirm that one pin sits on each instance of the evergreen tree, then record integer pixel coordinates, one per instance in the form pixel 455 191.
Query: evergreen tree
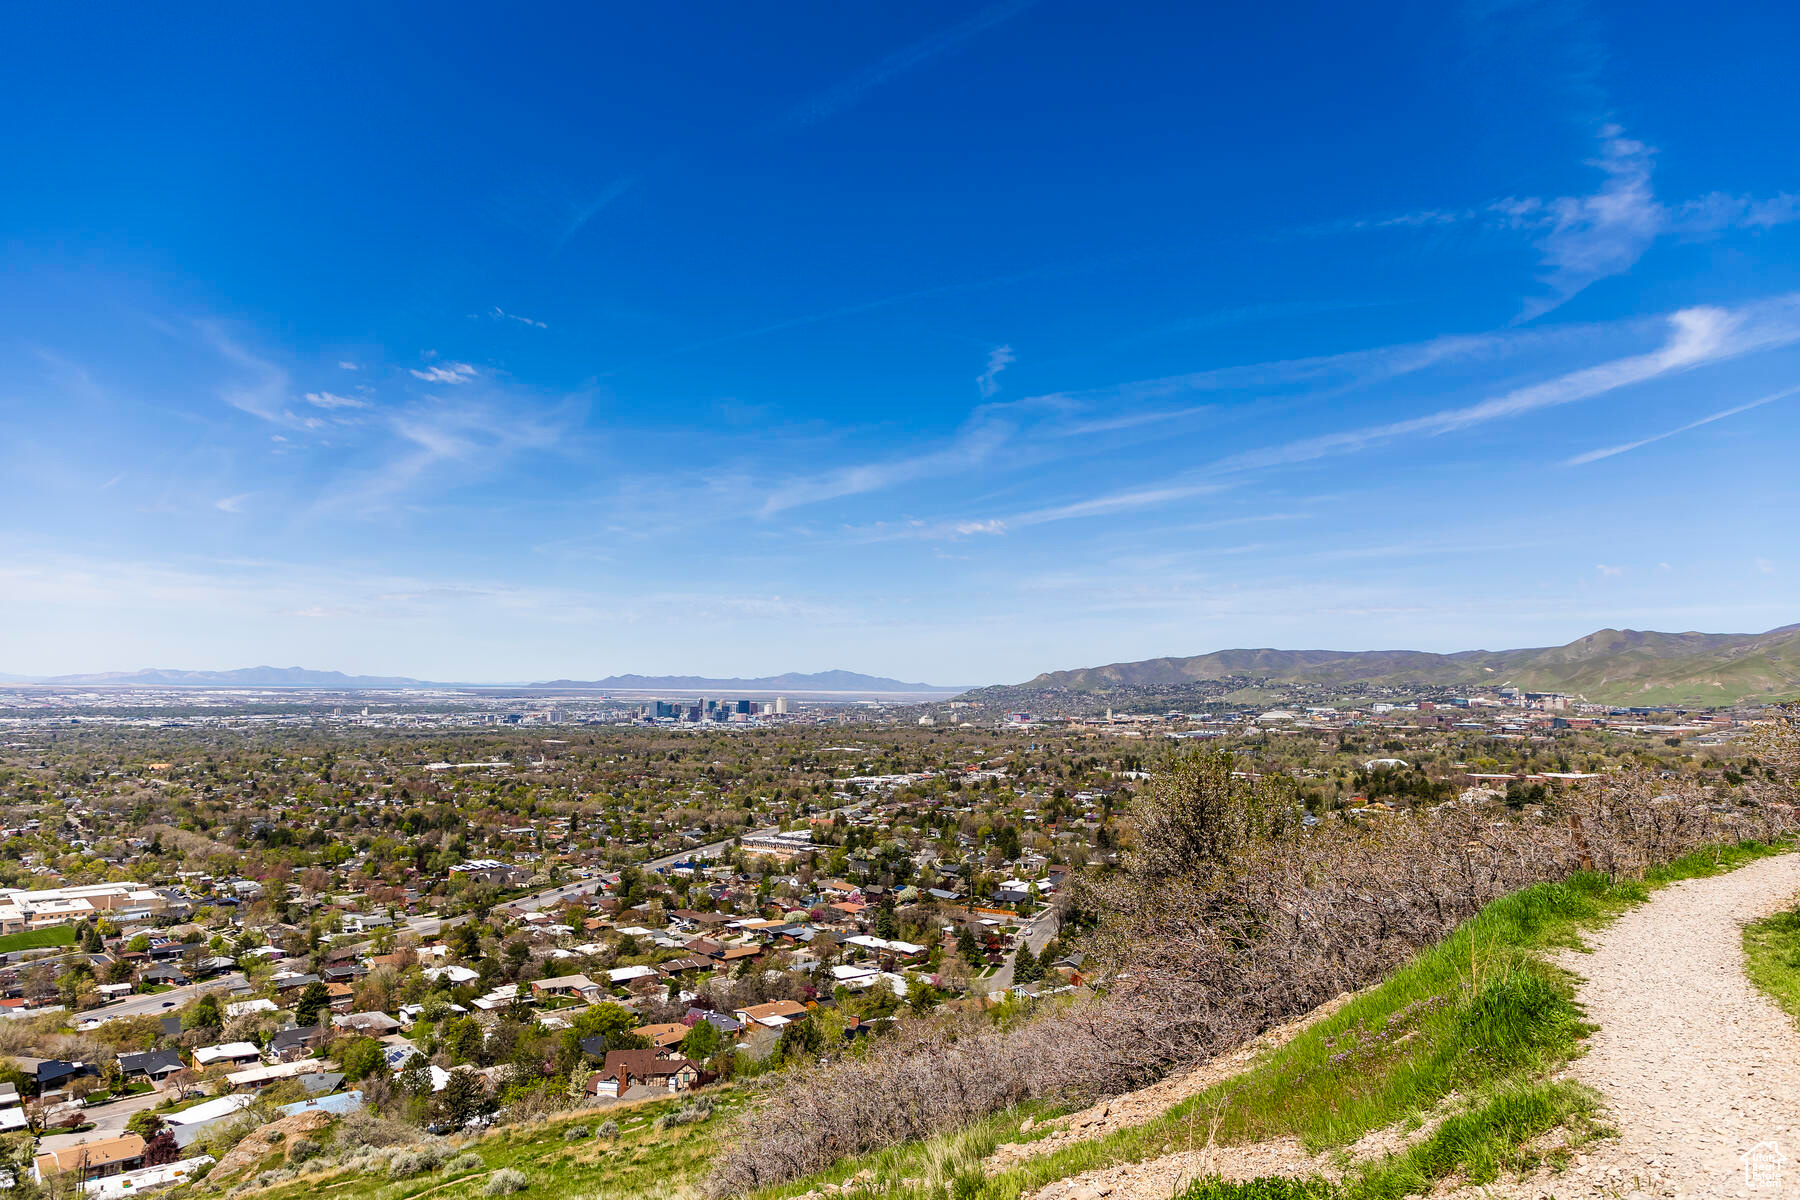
pixel 314 1001
pixel 702 1041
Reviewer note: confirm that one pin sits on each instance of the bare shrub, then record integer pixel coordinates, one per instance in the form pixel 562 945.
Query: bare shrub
pixel 1233 914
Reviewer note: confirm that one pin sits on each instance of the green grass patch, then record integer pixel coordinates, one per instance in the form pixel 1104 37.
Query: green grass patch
pixel 1472 1147
pixel 642 1161
pixel 37 939
pixel 1268 1188
pixel 1476 1145
pixel 1772 958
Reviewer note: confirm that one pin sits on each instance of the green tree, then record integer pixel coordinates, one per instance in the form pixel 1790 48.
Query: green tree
pixel 315 1000
pixel 145 1124
pixel 465 1097
pixel 465 1038
pixel 360 1057
pixel 416 1078
pixel 702 1041
pixel 802 1039
pixel 203 1014
pixel 968 947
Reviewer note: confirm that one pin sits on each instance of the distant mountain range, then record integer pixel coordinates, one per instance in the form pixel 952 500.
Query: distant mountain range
pixel 294 677
pixel 818 681
pixel 301 677
pixel 1612 666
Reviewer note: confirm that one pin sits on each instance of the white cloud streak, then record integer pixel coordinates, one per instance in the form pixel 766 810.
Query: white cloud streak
pixel 333 400
pixel 500 314
pixel 1697 337
pixel 1583 239
pixel 999 358
pixel 827 104
pixel 1627 447
pixel 454 372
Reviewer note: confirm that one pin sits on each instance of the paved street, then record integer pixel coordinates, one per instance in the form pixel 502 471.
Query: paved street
pixel 109 1121
pixel 1037 934
pixel 162 1002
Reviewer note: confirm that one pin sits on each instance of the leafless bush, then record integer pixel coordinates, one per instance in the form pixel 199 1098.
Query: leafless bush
pixel 1232 915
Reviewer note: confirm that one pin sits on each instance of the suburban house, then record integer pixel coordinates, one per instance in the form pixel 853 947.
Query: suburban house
pixel 287 1044
pixel 569 985
pixel 375 1024
pixel 232 1053
pixel 663 1037
pixel 92 1160
pixel 52 1075
pixel 773 1015
pixel 152 1065
pixel 625 1069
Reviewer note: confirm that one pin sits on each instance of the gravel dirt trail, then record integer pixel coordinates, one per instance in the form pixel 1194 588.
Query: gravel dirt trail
pixel 1696 1067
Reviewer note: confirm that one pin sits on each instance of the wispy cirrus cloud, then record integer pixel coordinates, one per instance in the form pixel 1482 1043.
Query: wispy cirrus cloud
pixel 329 400
pixel 1696 337
pixel 1627 447
pixel 828 103
pixel 263 389
pixel 445 444
pixel 1055 425
pixel 450 372
pixel 1586 238
pixel 975 444
pixel 581 214
pixel 999 358
pixel 500 314
pixel 1104 505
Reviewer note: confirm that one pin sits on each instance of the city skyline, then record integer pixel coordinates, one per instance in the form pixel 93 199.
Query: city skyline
pixel 951 343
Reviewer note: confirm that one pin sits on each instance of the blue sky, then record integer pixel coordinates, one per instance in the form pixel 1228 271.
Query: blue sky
pixel 949 342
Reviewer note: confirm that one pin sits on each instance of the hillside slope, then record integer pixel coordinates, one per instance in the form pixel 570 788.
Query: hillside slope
pixel 1620 666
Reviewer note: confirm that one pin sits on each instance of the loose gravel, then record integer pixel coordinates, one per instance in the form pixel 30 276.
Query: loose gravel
pixel 1697 1067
